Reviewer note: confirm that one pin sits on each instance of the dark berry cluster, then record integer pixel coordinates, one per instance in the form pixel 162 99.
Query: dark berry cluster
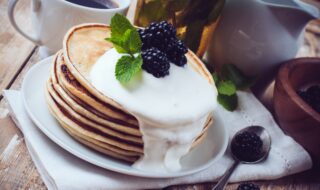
pixel 311 96
pixel 162 37
pixel 248 186
pixel 157 35
pixel 155 62
pixel 176 51
pixel 247 146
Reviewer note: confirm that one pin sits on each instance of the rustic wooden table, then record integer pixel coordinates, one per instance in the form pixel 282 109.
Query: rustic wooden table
pixel 17 55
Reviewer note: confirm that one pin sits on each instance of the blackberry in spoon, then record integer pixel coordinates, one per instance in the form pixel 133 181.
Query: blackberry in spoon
pixel 250 145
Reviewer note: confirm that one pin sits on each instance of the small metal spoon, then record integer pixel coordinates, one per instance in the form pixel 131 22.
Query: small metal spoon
pixel 266 140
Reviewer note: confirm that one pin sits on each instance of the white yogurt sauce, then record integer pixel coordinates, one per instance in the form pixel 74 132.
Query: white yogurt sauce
pixel 171 111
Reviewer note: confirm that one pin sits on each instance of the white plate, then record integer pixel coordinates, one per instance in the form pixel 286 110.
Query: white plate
pixel 33 85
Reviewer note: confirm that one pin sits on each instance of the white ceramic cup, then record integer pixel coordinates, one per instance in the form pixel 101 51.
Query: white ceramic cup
pixel 51 19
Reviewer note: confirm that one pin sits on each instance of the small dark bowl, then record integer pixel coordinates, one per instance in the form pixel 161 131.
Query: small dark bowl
pixel 295 116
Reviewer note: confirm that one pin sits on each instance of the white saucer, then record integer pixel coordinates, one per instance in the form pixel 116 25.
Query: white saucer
pixel 33 85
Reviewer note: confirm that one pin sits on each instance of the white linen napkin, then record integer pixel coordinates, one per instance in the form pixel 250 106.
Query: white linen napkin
pixel 61 170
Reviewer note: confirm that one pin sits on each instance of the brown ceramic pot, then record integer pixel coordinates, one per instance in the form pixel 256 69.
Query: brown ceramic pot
pixel 294 115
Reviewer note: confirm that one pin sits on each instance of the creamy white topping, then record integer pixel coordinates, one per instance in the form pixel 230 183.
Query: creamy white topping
pixel 171 111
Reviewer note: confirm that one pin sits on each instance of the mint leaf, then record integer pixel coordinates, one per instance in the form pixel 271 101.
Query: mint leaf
pixel 126 40
pixel 127 67
pixel 226 88
pixel 133 41
pixel 118 44
pixel 119 25
pixel 130 42
pixel 230 103
pixel 236 76
pixel 124 36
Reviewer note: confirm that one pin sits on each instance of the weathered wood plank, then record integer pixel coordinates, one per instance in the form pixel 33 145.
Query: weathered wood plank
pixel 17 171
pixel 14 49
pixel 16 85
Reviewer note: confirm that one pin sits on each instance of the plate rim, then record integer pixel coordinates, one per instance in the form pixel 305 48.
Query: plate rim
pixel 86 158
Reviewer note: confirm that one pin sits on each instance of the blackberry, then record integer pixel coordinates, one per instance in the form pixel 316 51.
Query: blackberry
pixel 176 46
pixel 180 47
pixel 146 38
pixel 314 90
pixel 165 28
pixel 248 186
pixel 159 46
pixel 305 96
pixel 178 59
pixel 157 35
pixel 155 62
pixel 175 51
pixel 311 96
pixel 247 146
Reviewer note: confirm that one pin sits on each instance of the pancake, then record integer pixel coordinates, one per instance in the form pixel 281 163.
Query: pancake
pixel 89 128
pixel 75 89
pixel 93 139
pixel 83 45
pixel 85 110
pixel 90 123
pixel 90 117
pixel 81 137
pixel 72 124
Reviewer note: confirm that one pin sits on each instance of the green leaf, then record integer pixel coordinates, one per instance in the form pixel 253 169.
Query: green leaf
pixel 126 40
pixel 118 45
pixel 119 25
pixel 216 78
pixel 132 41
pixel 230 103
pixel 226 88
pixel 127 67
pixel 240 80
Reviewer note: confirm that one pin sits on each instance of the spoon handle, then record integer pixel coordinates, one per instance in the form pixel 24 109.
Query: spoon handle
pixel 225 178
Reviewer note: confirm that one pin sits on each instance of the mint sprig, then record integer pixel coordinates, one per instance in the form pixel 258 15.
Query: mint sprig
pixel 127 67
pixel 228 81
pixel 126 40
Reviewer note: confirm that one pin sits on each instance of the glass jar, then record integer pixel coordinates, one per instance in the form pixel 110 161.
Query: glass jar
pixel 195 20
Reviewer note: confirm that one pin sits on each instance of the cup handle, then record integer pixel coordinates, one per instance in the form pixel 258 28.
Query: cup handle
pixel 11 6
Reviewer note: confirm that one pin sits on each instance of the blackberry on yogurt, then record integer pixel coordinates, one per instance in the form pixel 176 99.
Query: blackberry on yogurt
pixel 176 51
pixel 178 59
pixel 157 35
pixel 155 62
pixel 162 36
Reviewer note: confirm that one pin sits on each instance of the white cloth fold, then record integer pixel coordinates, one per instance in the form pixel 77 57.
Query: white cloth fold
pixel 61 170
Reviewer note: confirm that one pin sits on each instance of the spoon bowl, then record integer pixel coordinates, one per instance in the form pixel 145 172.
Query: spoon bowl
pixel 266 143
pixel 263 134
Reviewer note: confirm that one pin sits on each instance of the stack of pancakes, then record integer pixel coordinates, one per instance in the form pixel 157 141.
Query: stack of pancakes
pixel 85 113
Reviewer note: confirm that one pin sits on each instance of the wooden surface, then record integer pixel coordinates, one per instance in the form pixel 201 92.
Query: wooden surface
pixel 12 44
pixel 17 55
